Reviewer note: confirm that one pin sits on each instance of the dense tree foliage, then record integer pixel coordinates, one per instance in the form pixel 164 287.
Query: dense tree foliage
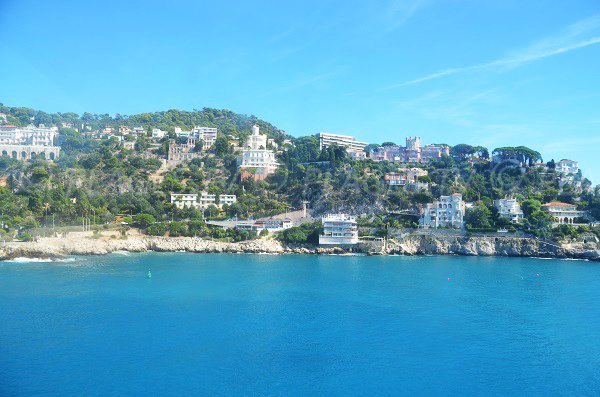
pixel 105 182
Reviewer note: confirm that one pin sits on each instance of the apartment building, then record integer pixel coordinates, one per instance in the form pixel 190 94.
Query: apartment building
pixel 339 230
pixel 349 142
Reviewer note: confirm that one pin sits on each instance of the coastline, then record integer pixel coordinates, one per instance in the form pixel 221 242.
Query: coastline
pixel 57 247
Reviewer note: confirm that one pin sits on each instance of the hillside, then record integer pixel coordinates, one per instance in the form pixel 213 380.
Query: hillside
pixel 102 180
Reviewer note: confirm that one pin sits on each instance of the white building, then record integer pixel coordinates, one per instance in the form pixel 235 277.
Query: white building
pixel 565 166
pixel 339 230
pixel 208 136
pixel 404 176
pixel 184 200
pixel 270 225
pixel 227 199
pixel 447 211
pixel 562 213
pixel 191 200
pixel 349 142
pixel 30 135
pixel 256 161
pixel 207 200
pixel 357 155
pixel 25 143
pixel 157 133
pixel 509 208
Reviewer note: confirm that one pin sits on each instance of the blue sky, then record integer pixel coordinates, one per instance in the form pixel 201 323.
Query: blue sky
pixel 495 73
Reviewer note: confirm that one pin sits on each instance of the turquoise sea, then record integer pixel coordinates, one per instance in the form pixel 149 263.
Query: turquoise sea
pixel 220 324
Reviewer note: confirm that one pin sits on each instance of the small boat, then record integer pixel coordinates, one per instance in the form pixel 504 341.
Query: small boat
pixel 149 274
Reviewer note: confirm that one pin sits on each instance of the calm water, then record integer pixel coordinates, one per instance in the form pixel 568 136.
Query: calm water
pixel 299 325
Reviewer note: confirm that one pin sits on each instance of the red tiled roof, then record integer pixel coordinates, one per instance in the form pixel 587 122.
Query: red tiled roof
pixel 558 204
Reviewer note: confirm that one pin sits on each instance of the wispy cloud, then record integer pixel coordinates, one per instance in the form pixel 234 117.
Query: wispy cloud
pixel 400 11
pixel 571 39
pixel 303 82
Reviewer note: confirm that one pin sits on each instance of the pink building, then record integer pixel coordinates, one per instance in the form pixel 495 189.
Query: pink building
pixel 413 152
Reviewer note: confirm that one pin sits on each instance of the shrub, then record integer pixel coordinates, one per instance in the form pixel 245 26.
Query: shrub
pixel 157 229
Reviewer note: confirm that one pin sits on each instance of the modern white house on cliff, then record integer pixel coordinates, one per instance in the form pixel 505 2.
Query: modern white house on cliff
pixel 339 230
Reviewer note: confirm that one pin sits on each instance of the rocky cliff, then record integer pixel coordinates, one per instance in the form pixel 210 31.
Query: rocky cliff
pixel 408 245
pixel 489 246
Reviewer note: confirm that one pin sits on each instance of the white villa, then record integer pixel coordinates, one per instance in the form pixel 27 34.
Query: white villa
pixel 256 161
pixel 565 166
pixel 447 211
pixel 208 136
pixel 339 230
pixel 562 213
pixel 509 208
pixel 157 133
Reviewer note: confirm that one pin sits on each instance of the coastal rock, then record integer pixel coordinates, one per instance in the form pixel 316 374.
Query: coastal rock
pixel 409 245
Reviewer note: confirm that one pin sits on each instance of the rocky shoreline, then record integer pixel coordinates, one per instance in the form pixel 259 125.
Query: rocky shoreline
pixel 55 247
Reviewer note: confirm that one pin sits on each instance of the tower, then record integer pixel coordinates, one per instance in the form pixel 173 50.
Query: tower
pixel 413 143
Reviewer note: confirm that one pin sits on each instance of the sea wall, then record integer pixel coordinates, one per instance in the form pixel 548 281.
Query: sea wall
pixel 407 245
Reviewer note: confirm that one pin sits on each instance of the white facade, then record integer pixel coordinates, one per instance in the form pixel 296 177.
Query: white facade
pixel 189 200
pixel 30 135
pixel 29 142
pixel 349 142
pixel 256 156
pixel 157 133
pixel 562 213
pixel 565 166
pixel 208 136
pixel 447 211
pixel 270 225
pixel 206 200
pixel 339 230
pixel 509 208
pixel 256 141
pixel 184 200
pixel 227 199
